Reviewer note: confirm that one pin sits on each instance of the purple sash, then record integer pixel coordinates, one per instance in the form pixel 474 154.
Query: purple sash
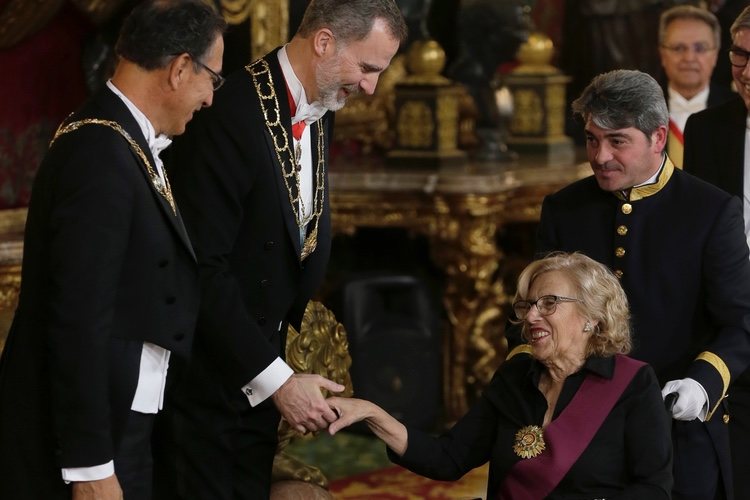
pixel 569 434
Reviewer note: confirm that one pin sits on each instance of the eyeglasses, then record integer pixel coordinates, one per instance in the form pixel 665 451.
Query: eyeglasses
pixel 738 57
pixel 216 78
pixel 681 49
pixel 546 305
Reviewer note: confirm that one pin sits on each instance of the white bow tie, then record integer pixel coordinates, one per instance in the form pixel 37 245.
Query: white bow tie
pixel 309 113
pixel 159 144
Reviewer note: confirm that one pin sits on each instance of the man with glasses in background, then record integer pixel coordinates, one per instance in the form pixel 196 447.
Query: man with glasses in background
pixel 688 48
pixel 716 150
pixel 109 287
pixel 677 245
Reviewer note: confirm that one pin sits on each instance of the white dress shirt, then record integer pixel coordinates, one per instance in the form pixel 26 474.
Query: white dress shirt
pixel 680 108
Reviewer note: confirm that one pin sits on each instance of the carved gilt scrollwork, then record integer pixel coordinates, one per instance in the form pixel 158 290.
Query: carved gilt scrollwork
pixel 10 285
pixel 464 247
pixel 269 22
pixel 321 348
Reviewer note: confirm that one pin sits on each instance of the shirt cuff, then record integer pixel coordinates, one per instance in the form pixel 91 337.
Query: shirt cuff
pixel 704 410
pixel 89 473
pixel 267 382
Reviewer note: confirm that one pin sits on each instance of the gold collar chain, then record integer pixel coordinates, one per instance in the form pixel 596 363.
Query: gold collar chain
pixel 163 188
pixel 287 158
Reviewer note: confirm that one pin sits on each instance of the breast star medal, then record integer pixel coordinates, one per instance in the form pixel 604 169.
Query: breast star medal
pixel 529 442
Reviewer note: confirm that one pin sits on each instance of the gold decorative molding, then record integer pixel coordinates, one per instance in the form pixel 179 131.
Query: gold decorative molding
pixel 236 11
pixel 269 22
pixel 321 348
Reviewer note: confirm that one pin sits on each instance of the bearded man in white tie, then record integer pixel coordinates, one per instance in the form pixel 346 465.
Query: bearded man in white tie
pixel 251 180
pixel 689 39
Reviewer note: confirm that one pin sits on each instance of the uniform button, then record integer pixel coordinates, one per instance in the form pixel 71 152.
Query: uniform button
pixel 725 419
pixel 163 263
pixel 170 300
pixel 627 208
pixel 264 283
pixel 269 245
pixel 622 230
pixel 179 336
pixel 261 320
pixel 619 273
pixel 619 252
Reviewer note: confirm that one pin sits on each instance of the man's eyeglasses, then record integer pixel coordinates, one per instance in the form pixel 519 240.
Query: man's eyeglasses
pixel 682 49
pixel 216 78
pixel 546 305
pixel 738 57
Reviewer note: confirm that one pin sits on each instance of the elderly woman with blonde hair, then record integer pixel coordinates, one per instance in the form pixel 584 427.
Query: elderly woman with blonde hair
pixel 576 419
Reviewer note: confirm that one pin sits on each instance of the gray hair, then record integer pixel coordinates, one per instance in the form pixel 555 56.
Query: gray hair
pixel 689 12
pixel 623 98
pixel 742 22
pixel 602 298
pixel 352 20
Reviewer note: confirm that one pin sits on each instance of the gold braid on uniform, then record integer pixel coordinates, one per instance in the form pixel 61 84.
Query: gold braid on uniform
pixel 718 364
pixel 163 188
pixel 269 103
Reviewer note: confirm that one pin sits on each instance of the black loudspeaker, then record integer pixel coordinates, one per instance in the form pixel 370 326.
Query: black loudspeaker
pixel 394 342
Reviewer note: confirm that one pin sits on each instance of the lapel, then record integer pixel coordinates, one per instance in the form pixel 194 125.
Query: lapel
pixel 285 117
pixel 118 112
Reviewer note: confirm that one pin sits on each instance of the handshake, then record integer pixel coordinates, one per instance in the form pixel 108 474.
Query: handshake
pixel 303 406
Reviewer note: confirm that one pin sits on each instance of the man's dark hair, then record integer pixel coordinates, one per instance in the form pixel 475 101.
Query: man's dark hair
pixel 157 30
pixel 352 20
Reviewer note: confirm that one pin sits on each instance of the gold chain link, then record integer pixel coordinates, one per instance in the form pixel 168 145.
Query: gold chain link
pixel 288 159
pixel 163 188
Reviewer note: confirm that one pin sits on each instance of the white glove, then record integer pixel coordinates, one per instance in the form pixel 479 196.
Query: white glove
pixel 692 402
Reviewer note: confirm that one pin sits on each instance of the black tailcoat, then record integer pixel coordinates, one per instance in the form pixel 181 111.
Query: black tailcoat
pixel 228 182
pixel 681 255
pixel 715 152
pixel 107 265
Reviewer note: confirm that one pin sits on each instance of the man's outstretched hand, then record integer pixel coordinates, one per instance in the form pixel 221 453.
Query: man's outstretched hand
pixel 302 404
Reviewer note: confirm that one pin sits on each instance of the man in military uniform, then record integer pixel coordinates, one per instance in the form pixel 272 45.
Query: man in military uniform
pixel 678 246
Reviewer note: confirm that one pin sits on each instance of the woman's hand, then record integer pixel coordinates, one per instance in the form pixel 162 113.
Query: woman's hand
pixel 381 423
pixel 349 411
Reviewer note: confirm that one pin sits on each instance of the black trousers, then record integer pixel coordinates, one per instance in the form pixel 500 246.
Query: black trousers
pixel 697 456
pixel 210 443
pixel 739 433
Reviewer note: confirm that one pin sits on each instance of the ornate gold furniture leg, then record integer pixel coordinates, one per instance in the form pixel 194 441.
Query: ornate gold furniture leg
pixel 463 245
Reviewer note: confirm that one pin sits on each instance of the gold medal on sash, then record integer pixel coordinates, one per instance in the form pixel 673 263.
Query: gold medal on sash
pixel 529 442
